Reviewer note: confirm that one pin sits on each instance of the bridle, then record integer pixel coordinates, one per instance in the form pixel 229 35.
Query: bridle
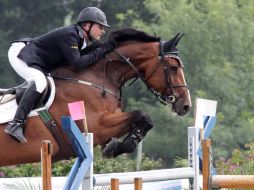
pixel 164 99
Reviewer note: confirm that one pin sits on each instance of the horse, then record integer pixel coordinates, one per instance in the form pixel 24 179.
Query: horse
pixel 138 55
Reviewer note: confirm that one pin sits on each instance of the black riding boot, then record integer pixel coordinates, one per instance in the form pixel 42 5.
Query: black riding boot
pixel 27 102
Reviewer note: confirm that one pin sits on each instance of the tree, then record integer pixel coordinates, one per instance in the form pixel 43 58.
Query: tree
pixel 25 19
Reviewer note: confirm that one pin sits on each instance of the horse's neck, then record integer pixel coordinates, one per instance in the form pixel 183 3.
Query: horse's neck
pixel 137 54
pixel 112 67
pixel 89 73
pixel 119 67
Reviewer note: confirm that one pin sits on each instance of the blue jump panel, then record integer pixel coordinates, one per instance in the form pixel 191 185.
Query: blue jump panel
pixel 84 156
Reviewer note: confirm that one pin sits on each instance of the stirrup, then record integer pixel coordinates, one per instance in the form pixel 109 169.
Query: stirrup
pixel 15 129
pixel 13 126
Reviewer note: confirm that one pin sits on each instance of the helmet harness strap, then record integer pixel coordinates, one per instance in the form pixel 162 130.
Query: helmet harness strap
pixel 90 38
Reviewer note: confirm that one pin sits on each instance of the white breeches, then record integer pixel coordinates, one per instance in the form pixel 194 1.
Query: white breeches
pixel 23 70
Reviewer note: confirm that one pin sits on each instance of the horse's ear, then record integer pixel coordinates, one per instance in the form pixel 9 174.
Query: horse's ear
pixel 175 39
pixel 170 45
pixel 178 38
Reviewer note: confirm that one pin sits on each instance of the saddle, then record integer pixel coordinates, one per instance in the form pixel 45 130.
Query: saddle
pixel 9 99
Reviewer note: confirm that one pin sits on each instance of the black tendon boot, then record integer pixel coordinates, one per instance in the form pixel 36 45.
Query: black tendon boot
pixel 27 102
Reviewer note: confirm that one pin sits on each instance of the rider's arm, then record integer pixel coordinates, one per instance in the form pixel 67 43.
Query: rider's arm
pixel 69 46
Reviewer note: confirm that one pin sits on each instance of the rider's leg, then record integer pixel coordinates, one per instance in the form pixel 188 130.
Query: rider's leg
pixel 26 104
pixel 37 84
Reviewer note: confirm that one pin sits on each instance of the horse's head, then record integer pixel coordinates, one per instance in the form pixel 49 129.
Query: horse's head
pixel 159 66
pixel 166 78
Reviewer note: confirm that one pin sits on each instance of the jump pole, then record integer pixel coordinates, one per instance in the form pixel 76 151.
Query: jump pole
pixel 221 181
pixel 46 151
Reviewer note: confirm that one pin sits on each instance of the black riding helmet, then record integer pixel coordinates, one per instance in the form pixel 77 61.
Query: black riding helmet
pixel 92 14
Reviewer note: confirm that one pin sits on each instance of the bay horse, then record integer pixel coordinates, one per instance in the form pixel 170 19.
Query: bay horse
pixel 138 55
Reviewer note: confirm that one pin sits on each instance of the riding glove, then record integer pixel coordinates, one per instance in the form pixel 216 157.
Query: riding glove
pixel 109 45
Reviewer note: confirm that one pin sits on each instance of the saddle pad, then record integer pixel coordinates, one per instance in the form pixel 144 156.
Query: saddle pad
pixel 6 98
pixel 8 109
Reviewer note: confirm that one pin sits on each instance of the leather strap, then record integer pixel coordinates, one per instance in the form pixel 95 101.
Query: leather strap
pixel 52 127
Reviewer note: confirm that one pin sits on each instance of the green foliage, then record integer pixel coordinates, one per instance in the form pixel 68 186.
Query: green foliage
pixel 121 164
pixel 180 162
pixel 28 170
pixel 62 168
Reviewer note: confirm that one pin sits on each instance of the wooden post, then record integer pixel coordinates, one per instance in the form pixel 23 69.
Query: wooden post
pixel 46 151
pixel 114 184
pixel 206 145
pixel 138 183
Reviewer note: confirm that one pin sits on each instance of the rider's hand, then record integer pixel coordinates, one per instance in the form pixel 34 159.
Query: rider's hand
pixel 110 45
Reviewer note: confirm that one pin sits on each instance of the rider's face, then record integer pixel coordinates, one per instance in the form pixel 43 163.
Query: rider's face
pixel 96 31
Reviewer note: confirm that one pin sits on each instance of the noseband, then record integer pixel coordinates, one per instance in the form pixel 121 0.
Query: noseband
pixel 160 96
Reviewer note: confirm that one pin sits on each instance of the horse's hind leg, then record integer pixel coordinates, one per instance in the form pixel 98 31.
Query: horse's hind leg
pixel 140 124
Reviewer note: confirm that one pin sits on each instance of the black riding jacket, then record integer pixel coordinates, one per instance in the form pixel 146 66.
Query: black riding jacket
pixel 59 47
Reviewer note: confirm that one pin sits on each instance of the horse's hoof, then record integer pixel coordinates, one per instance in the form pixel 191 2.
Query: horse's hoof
pixel 108 150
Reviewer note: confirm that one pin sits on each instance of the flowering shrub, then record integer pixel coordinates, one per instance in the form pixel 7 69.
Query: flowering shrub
pixel 241 162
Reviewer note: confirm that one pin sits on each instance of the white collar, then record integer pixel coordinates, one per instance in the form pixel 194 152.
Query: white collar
pixel 84 45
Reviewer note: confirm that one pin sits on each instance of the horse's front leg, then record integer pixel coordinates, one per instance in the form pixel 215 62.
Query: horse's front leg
pixel 135 123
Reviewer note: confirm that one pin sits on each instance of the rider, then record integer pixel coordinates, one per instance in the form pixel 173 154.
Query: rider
pixel 37 57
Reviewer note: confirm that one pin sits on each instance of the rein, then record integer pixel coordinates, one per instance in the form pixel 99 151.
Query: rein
pixel 69 79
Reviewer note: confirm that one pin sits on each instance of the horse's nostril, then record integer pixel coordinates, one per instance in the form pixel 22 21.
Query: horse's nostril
pixel 186 108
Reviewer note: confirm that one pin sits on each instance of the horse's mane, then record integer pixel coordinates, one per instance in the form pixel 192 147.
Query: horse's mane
pixel 123 35
pixel 130 34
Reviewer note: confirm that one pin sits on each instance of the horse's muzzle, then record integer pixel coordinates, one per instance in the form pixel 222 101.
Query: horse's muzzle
pixel 181 106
